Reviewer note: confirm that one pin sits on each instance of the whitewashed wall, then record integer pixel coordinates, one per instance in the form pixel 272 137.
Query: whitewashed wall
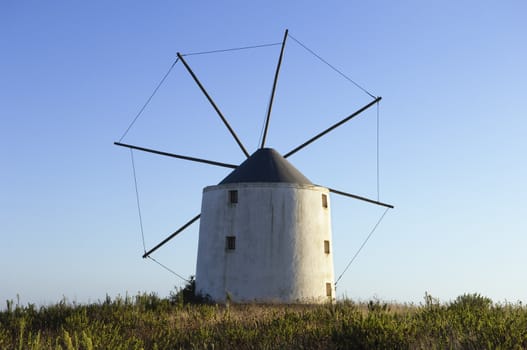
pixel 280 230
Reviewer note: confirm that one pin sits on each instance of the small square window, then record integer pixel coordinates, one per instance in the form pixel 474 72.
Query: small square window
pixel 230 242
pixel 326 247
pixel 328 289
pixel 233 196
pixel 324 201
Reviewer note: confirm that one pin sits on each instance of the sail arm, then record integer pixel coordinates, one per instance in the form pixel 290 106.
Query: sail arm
pixel 179 156
pixel 162 243
pixel 346 194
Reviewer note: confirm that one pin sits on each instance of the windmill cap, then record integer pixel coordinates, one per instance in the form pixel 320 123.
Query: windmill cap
pixel 266 165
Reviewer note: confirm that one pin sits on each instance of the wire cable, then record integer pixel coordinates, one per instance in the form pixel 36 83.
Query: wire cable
pixel 332 67
pixel 231 49
pixel 362 246
pixel 378 162
pixel 172 66
pixel 141 222
pixel 149 99
pixel 137 200
pixel 169 269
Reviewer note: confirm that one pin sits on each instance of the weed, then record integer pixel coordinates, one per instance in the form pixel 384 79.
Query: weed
pixel 147 321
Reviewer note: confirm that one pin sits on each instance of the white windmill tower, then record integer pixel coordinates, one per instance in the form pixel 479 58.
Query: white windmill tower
pixel 265 235
pixel 265 229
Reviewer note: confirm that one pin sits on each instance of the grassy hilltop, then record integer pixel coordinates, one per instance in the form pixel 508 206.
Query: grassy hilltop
pixel 146 321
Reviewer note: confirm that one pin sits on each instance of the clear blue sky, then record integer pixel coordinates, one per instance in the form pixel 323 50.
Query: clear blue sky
pixel 453 78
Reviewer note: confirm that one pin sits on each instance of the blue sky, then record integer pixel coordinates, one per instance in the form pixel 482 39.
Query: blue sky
pixel 452 138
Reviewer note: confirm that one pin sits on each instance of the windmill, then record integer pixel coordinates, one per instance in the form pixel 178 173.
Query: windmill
pixel 265 229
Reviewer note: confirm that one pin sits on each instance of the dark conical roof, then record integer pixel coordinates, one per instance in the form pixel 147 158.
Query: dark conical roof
pixel 266 165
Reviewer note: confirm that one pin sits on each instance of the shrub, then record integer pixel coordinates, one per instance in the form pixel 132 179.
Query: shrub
pixel 472 302
pixel 188 295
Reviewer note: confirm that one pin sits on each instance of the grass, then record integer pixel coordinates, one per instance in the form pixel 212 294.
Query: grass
pixel 146 321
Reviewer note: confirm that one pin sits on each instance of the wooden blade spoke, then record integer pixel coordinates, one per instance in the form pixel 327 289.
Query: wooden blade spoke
pixel 334 126
pixel 342 193
pixel 145 255
pixel 200 160
pixel 211 101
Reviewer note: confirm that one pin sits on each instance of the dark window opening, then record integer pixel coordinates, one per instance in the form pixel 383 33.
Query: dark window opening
pixel 324 201
pixel 230 242
pixel 326 247
pixel 233 196
pixel 328 289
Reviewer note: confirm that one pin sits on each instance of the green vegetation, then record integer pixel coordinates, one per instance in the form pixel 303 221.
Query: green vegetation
pixel 146 321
